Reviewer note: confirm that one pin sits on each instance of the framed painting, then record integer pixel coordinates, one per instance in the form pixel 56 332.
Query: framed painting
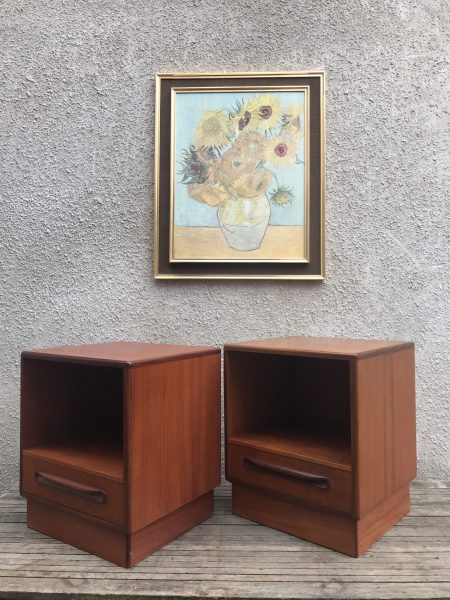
pixel 239 176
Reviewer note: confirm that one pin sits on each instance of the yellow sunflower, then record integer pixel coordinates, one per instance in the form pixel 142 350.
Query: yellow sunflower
pixel 232 164
pixel 212 129
pixel 281 151
pixel 267 112
pixel 213 195
pixel 253 184
pixel 251 146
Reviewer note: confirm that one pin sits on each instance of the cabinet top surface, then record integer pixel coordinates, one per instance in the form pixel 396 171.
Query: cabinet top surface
pixel 316 346
pixel 121 353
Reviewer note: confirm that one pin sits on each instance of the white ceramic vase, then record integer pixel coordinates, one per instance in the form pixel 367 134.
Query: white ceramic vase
pixel 244 221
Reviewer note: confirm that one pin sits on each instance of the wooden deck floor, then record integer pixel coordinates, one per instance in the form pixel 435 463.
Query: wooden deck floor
pixel 229 557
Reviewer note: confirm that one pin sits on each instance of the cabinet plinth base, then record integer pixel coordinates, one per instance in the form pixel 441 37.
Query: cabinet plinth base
pixel 159 533
pixel 335 531
pixel 109 541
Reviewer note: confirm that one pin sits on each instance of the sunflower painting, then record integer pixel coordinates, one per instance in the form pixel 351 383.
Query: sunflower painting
pixel 239 169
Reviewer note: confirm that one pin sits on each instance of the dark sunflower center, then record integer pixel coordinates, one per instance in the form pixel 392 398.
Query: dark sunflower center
pixel 281 149
pixel 265 112
pixel 244 121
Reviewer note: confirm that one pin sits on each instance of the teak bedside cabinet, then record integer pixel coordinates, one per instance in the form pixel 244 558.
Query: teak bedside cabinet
pixel 321 436
pixel 120 444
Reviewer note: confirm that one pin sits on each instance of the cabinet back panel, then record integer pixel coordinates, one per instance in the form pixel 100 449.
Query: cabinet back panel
pixel 63 401
pixel 320 389
pixel 265 391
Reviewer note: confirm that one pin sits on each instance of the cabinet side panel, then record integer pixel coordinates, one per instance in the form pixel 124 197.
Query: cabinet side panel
pixel 46 399
pixel 385 427
pixel 369 432
pixel 174 435
pixel 253 381
pixel 404 418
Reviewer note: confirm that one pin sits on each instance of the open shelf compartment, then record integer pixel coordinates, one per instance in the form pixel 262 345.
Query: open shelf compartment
pixel 290 405
pixel 73 414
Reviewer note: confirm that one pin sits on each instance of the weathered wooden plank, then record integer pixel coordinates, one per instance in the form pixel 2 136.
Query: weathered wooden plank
pixel 258 577
pixel 407 545
pixel 429 484
pixel 12 518
pixel 302 571
pixel 138 590
pixel 231 557
pixel 72 563
pixel 394 546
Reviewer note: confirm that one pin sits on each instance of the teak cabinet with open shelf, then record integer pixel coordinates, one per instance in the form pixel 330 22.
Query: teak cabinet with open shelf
pixel 320 436
pixel 120 444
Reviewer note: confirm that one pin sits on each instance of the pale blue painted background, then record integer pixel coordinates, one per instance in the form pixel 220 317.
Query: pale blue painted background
pixel 188 107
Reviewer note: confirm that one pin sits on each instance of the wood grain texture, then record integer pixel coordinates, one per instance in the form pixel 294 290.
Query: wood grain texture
pixel 316 346
pixel 252 387
pixel 311 441
pixel 174 422
pixel 66 406
pixel 339 409
pixel 384 516
pixel 101 458
pixel 121 353
pixel 294 405
pixel 231 557
pixel 73 528
pixel 332 531
pixel 384 428
pixel 159 533
pixel 67 410
pixel 130 444
pixel 337 497
pixel 111 510
pixel 42 387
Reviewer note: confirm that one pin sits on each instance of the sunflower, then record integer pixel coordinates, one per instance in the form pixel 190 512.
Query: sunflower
pixel 267 112
pixel 213 195
pixel 253 184
pixel 281 151
pixel 251 146
pixel 195 163
pixel 213 129
pixel 233 163
pixel 242 116
pixel 291 121
pixel 282 196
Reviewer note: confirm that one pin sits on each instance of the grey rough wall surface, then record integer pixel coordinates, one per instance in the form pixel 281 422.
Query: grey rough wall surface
pixel 76 216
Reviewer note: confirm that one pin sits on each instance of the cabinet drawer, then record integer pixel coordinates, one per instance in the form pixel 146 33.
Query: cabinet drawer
pixel 312 483
pixel 89 493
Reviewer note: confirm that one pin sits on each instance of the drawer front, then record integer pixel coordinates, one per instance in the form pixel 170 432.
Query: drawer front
pixel 315 484
pixel 85 492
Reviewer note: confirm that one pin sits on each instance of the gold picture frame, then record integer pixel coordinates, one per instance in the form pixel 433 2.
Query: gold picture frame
pixel 206 189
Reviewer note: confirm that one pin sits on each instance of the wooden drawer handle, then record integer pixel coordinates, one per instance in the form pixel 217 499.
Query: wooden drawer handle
pixel 306 478
pixel 65 485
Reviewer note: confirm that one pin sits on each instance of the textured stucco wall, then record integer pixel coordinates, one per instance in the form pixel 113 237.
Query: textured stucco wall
pixel 76 217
